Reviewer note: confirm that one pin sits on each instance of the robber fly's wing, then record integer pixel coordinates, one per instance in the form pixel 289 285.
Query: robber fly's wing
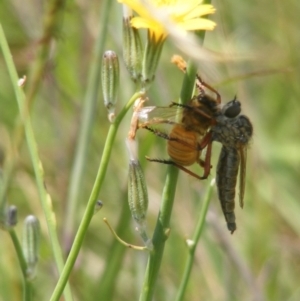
pixel 243 156
pixel 149 116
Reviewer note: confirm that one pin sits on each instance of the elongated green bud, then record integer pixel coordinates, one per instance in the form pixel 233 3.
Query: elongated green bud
pixel 137 192
pixel 151 58
pixel 30 243
pixel 132 46
pixel 137 189
pixel 110 81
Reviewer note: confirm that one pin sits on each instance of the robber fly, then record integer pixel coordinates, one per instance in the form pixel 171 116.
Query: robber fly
pixel 233 131
pixel 203 121
pixel 189 134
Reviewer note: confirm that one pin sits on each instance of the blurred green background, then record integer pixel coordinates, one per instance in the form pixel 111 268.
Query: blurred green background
pixel 261 261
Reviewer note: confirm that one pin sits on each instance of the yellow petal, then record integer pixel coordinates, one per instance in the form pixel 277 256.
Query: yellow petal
pixel 182 9
pixel 199 11
pixel 184 13
pixel 139 22
pixel 198 24
pixel 156 29
pixel 137 7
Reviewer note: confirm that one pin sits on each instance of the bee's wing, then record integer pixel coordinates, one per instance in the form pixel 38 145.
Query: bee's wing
pixel 243 156
pixel 148 116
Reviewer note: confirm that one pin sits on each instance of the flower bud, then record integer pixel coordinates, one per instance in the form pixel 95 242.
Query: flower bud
pixel 132 46
pixel 11 216
pixel 30 243
pixel 110 81
pixel 137 189
pixel 151 58
pixel 138 197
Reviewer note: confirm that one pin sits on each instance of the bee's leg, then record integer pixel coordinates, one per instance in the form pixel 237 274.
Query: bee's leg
pixel 168 137
pixel 201 83
pixel 158 133
pixel 181 105
pixel 170 162
pixel 193 109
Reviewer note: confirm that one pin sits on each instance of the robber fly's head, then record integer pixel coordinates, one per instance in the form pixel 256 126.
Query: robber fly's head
pixel 232 108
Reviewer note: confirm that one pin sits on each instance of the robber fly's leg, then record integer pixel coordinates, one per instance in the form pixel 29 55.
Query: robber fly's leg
pixel 206 142
pixel 206 163
pixel 170 162
pixel 202 83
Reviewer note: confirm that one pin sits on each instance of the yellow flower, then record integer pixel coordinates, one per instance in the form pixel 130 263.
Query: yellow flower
pixel 186 14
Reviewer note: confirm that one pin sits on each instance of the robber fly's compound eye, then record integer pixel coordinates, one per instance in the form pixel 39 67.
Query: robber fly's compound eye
pixel 232 108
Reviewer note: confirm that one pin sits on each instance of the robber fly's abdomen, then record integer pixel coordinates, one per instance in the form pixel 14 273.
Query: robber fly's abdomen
pixel 226 178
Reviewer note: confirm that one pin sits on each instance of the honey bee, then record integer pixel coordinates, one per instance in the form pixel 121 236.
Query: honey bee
pixel 234 132
pixel 190 134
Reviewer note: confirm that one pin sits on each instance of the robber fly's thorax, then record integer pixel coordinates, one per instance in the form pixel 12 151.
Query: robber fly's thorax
pixel 231 129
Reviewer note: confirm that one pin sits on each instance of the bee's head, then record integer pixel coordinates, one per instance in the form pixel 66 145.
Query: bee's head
pixel 232 108
pixel 208 101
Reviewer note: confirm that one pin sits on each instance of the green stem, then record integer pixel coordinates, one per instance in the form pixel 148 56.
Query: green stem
pixel 90 100
pixel 36 163
pixel 160 235
pixel 188 83
pixel 163 221
pixel 51 20
pixel 89 211
pixel 192 246
pixel 26 284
